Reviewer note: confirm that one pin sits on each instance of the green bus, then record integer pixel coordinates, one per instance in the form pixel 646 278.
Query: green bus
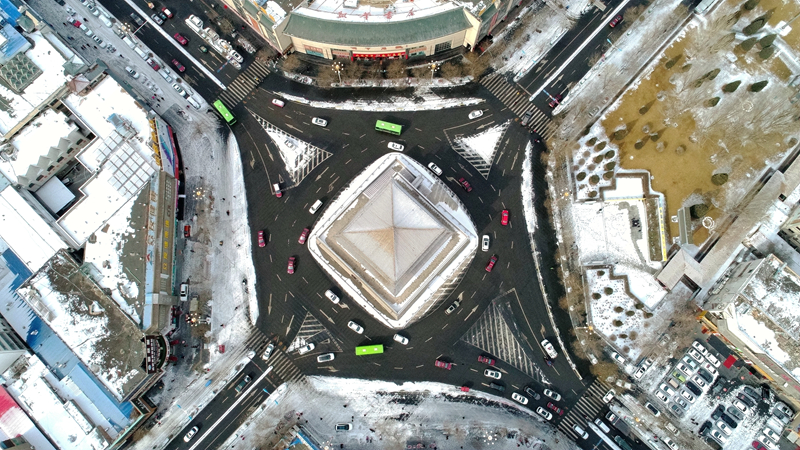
pixel 223 111
pixel 369 350
pixel 387 127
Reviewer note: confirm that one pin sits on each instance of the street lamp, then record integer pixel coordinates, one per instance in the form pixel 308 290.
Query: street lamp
pixel 337 67
pixel 434 67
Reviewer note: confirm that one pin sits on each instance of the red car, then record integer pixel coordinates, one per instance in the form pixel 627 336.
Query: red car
pixel 504 217
pixel 758 446
pixel 486 360
pixel 166 12
pixel 303 236
pixel 465 184
pixel 615 21
pixel 555 408
pixel 182 40
pixel 555 101
pixel 187 231
pixel 492 262
pixel 178 66
pixel 290 267
pixel 261 242
pixel 443 365
pixel 153 64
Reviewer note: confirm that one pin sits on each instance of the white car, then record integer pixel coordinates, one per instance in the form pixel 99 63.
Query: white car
pixel 132 72
pixel 618 358
pixel 713 360
pixel 609 396
pixel 519 398
pixel 305 349
pixel 434 168
pixel 602 425
pixel 695 354
pixel 581 432
pixel 740 406
pixel 320 122
pixel 710 369
pixel 690 362
pixel 548 348
pixel 699 381
pixel 552 394
pixel 775 437
pixel 700 348
pixel 184 291
pixel 682 367
pixel 475 114
pixel 661 396
pixel 190 434
pixel 395 146
pixel 325 357
pixel 767 443
pixel 667 389
pixel 670 443
pixel 268 352
pixel 485 240
pixel 492 374
pixel 400 338
pixel 689 397
pixel 179 89
pixel 544 413
pixel 278 103
pixel 332 297
pixel 355 327
pixel 716 434
pixel 640 373
pixel 724 427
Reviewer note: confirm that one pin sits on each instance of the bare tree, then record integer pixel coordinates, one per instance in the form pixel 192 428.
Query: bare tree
pixel 225 26
pixel 263 55
pixel 420 72
pixel 353 71
pixel 603 370
pixel 292 63
pixel 451 70
pixel 326 77
pixel 396 69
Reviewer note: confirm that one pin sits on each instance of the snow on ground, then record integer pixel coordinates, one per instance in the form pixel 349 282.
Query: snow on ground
pixel 295 153
pixel 104 254
pixel 423 101
pixel 395 415
pixel 485 143
pixel 614 312
pixel 213 164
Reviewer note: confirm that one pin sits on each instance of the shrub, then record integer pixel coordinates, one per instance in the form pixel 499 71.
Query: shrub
pixel 712 102
pixel 698 211
pixel 655 137
pixel 591 141
pixel 767 40
pixel 623 336
pixel 601 145
pixel 638 145
pixel 711 75
pixel 601 273
pixel 598 159
pixel 750 5
pixel 608 291
pixel 754 26
pixel 757 87
pixel 647 315
pixel 610 166
pixel 718 179
pixel 629 313
pixel 581 176
pixel 686 67
pixel 620 134
pixel 748 43
pixel 596 296
pixel 594 179
pixel 638 305
pixel 618 309
pixel 671 63
pixel 731 87
pixel 634 334
pixel 610 154
pixel 608 175
pixel 617 323
pixel 592 194
pixel 766 52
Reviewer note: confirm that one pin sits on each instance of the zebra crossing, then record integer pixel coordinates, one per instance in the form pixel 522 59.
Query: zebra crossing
pixel 282 366
pixel 589 405
pixel 244 84
pixel 517 101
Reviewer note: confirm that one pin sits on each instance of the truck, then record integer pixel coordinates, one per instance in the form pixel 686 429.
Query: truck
pixel 618 423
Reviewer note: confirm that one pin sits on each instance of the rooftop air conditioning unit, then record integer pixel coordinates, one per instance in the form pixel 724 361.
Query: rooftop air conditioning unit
pixel 351 3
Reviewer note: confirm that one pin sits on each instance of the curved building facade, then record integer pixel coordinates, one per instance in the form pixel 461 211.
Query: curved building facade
pixel 396 239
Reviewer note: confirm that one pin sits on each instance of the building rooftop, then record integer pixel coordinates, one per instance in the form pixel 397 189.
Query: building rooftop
pixel 25 232
pixel 104 338
pixel 393 238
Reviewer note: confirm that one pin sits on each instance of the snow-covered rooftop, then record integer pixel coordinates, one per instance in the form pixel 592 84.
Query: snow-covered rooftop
pixel 48 59
pixel 89 322
pixel 365 11
pixel 401 232
pixel 121 154
pixel 25 232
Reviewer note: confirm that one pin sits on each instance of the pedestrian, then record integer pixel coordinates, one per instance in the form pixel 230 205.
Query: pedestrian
pixel 64 23
pixel 95 47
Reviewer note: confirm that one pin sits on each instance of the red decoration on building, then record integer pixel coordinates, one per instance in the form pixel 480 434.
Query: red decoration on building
pixel 411 13
pixel 342 15
pixel 365 16
pixel 389 14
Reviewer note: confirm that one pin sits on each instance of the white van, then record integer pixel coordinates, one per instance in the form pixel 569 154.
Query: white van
pixel 193 102
pixel 106 21
pixel 129 41
pixel 165 75
pixel 315 207
pixel 140 52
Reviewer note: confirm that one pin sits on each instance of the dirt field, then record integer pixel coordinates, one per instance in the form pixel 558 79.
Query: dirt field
pixel 671 129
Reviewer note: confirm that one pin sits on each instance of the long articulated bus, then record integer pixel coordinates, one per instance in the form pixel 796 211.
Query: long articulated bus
pixel 387 127
pixel 369 350
pixel 223 111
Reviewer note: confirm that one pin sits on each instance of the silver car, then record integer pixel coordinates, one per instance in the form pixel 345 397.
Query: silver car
pixel 434 168
pixel 485 240
pixel 325 357
pixel 332 297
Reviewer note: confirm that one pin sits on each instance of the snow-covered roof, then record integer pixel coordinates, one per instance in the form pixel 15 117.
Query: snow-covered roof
pixel 89 322
pixel 14 422
pixel 25 232
pixel 50 61
pixel 120 157
pixel 400 232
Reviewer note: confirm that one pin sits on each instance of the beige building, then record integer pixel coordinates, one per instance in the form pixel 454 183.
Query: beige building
pixel 378 29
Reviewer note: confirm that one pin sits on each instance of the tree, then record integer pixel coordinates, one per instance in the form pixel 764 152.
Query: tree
pixel 748 43
pixel 603 370
pixel 731 87
pixel 225 26
pixel 353 71
pixel 767 40
pixel 263 55
pixel 766 52
pixel 750 5
pixel 396 69
pixel 292 63
pixel 754 26
pixel 698 211
pixel 451 70
pixel 326 77
pixel 718 179
pixel 420 71
pixel 757 87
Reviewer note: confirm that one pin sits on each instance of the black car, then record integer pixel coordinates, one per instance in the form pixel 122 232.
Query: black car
pixel 137 19
pixel 497 387
pixel 746 399
pixel 694 388
pixel 718 412
pixel 729 420
pixel 60 2
pixel 765 394
pixel 533 394
pixel 750 392
pixel 702 373
pixel 704 428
